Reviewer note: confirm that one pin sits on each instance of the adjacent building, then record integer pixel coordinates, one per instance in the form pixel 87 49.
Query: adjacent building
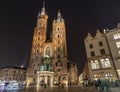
pixel 13 74
pixel 100 63
pixel 113 40
pixel 48 63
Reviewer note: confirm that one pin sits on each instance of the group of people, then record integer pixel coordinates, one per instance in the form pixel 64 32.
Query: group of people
pixel 104 85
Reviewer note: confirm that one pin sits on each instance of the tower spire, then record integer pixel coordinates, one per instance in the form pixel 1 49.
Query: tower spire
pixel 59 18
pixel 59 14
pixel 43 9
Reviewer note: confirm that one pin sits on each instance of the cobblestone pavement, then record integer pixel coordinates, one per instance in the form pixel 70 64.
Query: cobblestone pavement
pixel 56 89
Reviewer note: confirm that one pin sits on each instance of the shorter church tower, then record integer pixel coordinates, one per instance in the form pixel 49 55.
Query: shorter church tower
pixel 59 36
pixel 60 49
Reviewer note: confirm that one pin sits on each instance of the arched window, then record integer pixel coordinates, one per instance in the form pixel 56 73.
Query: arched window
pixel 48 51
pixel 57 36
pixel 57 28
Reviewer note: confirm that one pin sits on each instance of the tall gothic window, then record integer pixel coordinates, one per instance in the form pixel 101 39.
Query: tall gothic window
pixel 47 51
pixel 94 64
pixel 105 63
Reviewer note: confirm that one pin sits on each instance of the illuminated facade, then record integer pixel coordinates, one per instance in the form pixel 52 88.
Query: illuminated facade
pixel 48 61
pixel 113 39
pixel 13 74
pixel 99 60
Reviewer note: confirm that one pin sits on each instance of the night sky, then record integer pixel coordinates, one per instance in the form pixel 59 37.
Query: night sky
pixel 19 17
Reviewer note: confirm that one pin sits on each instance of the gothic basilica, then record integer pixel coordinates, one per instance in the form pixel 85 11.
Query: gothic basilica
pixel 48 63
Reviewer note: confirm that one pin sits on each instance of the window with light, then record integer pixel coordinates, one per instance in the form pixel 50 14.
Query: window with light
pixel 96 75
pixel 108 75
pixel 119 53
pixel 95 64
pixel 118 44
pixel 116 36
pixel 105 63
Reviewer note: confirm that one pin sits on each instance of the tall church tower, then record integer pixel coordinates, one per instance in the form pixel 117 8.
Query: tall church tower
pixel 39 38
pixel 60 49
